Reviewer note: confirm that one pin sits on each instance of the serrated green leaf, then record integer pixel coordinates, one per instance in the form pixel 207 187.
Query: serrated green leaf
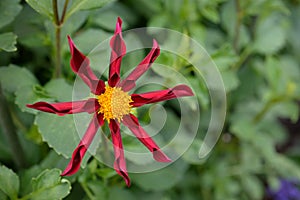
pixel 58 132
pixel 50 185
pixel 13 77
pixel 9 9
pixel 43 7
pixel 9 182
pixel 8 42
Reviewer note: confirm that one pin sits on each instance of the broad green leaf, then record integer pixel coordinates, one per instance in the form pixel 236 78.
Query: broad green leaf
pixel 8 42
pixel 270 34
pixel 14 77
pixel 9 9
pixel 59 89
pixel 9 182
pixel 29 95
pixel 49 184
pixel 85 4
pixel 162 179
pixel 58 132
pixel 43 7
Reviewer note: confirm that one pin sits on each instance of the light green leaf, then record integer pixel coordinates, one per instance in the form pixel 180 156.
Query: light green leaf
pixel 86 4
pixel 230 79
pixel 9 9
pixel 162 179
pixel 58 132
pixel 43 7
pixel 29 95
pixel 270 35
pixel 13 77
pixel 49 184
pixel 9 182
pixel 8 42
pixel 59 89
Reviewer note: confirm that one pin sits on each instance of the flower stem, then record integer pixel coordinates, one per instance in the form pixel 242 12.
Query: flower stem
pixel 9 131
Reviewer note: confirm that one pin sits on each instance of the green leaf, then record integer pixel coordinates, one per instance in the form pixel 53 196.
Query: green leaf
pixel 162 179
pixel 9 182
pixel 8 42
pixel 59 89
pixel 9 9
pixel 85 4
pixel 58 132
pixel 29 95
pixel 50 185
pixel 43 7
pixel 230 79
pixel 13 77
pixel 270 35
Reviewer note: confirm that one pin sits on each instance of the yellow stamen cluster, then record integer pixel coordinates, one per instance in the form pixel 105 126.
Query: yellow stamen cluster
pixel 114 103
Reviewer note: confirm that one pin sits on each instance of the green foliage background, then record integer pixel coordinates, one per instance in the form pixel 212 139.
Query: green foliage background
pixel 255 45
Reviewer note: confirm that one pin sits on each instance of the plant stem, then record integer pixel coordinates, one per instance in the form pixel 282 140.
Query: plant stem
pixel 9 131
pixel 57 72
pixel 58 25
pixel 64 12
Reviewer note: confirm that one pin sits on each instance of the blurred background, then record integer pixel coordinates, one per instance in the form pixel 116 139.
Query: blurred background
pixel 254 44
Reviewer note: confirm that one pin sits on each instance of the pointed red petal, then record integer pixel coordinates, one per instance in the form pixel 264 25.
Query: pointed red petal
pixel 120 163
pixel 79 152
pixel 118 50
pixel 129 82
pixel 80 64
pixel 161 95
pixel 91 105
pixel 132 123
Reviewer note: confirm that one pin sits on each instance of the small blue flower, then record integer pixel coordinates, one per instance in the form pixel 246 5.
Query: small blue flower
pixel 288 190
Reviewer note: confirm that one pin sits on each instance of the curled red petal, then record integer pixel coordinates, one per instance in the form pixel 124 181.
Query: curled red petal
pixel 91 105
pixel 79 152
pixel 129 82
pixel 120 163
pixel 80 64
pixel 118 50
pixel 161 95
pixel 132 123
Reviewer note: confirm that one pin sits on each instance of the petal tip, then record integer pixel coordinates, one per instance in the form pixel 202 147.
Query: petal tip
pixel 159 156
pixel 118 26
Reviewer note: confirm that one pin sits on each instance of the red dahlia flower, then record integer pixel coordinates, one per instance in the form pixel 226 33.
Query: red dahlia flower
pixel 112 103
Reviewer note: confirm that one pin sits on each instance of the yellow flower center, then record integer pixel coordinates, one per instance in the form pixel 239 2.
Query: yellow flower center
pixel 114 103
